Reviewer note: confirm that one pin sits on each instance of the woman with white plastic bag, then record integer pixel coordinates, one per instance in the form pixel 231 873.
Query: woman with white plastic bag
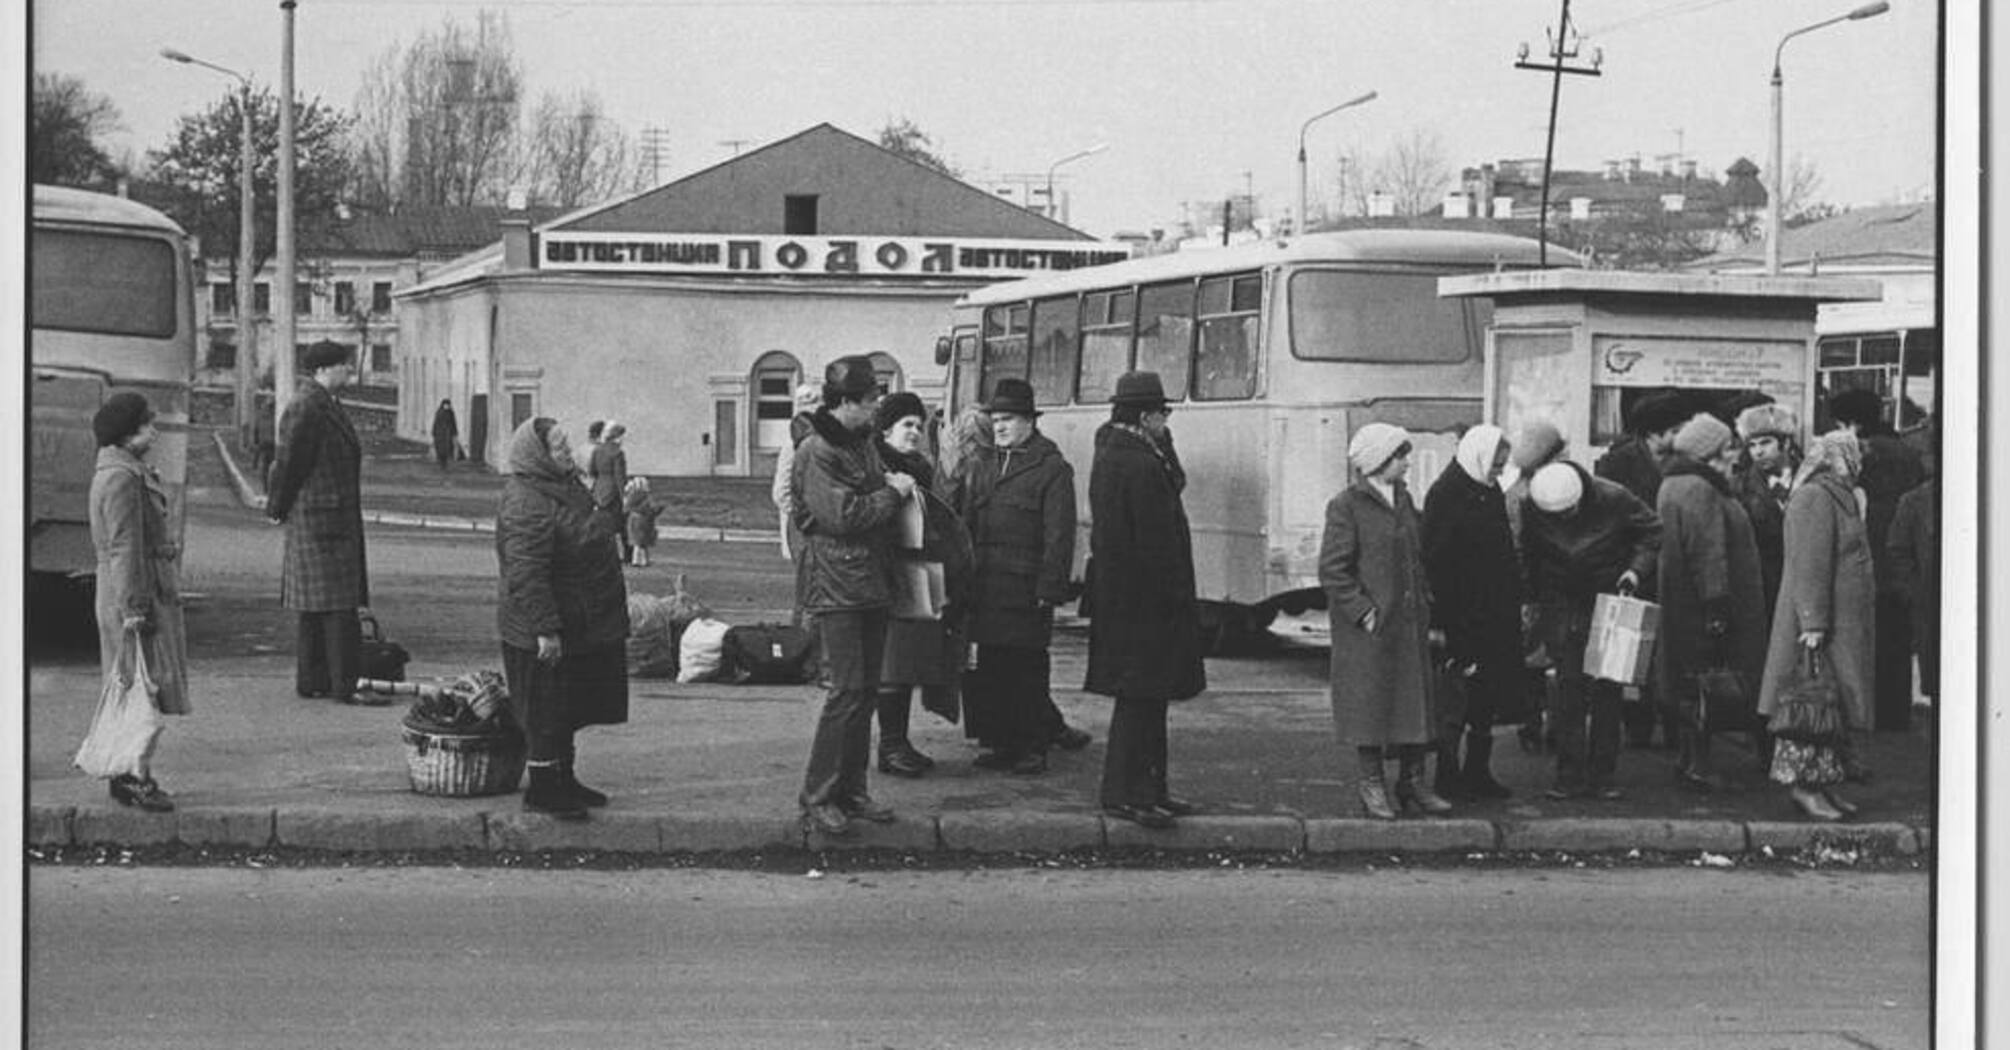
pixel 140 634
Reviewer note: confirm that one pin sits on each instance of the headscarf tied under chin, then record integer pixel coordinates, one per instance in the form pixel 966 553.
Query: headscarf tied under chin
pixel 530 452
pixel 1477 450
pixel 1836 452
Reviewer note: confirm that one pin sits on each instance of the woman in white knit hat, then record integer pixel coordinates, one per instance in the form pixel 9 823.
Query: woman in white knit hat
pixel 1378 597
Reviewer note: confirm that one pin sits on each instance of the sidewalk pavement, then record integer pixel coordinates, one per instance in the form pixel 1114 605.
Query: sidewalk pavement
pixel 705 768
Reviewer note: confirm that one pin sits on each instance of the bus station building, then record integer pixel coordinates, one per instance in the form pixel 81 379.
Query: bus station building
pixel 691 311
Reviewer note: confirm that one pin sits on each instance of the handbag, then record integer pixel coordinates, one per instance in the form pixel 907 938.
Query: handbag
pixel 127 720
pixel 1724 700
pixel 1809 710
pixel 382 658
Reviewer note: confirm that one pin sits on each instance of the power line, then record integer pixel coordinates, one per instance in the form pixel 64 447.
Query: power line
pixel 1655 15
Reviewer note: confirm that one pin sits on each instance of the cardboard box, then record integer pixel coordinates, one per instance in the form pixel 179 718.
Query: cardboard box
pixel 1621 647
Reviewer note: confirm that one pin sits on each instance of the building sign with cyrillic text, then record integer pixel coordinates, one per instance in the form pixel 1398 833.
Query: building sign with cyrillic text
pixel 1723 364
pixel 928 257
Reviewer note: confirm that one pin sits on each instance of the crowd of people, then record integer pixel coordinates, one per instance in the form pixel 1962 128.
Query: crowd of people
pixel 1773 556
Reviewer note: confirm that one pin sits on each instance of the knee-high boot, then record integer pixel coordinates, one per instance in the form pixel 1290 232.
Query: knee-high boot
pixel 567 766
pixel 1374 789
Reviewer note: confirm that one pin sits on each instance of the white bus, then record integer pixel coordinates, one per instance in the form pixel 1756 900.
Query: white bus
pixel 1891 348
pixel 110 308
pixel 1275 353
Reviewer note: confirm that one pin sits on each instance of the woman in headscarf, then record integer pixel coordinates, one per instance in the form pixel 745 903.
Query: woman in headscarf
pixel 1826 613
pixel 138 592
pixel 446 431
pixel 562 613
pixel 1378 597
pixel 1469 554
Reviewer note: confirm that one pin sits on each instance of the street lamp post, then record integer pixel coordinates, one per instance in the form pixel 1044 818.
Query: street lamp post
pixel 1303 224
pixel 282 360
pixel 1091 151
pixel 247 327
pixel 1777 161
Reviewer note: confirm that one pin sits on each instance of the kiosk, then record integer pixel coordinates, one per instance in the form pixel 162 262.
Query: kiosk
pixel 1578 347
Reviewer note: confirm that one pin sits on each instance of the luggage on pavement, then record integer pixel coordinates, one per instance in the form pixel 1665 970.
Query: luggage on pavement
pixel 769 653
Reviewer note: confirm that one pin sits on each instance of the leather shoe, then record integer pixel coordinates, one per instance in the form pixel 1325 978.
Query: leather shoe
pixel 1030 764
pixel 367 699
pixel 1176 806
pixel 826 820
pixel 1143 816
pixel 1072 739
pixel 864 808
pixel 1841 804
pixel 903 762
pixel 995 760
pixel 1815 806
pixel 141 794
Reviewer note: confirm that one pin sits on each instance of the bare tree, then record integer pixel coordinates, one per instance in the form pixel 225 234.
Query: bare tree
pixel 1415 172
pixel 437 121
pixel 903 136
pixel 574 155
pixel 67 124
pixel 1798 190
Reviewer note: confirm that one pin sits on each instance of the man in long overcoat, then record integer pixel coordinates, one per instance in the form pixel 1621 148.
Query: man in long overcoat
pixel 1144 634
pixel 317 492
pixel 1713 603
pixel 1636 461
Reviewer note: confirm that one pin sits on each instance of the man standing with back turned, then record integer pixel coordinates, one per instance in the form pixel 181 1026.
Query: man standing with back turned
pixel 317 492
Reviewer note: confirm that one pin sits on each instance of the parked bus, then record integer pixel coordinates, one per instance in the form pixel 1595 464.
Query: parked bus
pixel 1274 354
pixel 1889 347
pixel 110 308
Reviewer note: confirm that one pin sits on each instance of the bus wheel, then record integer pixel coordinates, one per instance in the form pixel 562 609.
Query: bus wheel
pixel 1230 629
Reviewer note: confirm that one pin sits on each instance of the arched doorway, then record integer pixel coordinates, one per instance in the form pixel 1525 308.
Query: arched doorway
pixel 888 370
pixel 773 383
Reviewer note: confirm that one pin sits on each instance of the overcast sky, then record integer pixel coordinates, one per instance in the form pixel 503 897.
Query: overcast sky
pixel 1189 95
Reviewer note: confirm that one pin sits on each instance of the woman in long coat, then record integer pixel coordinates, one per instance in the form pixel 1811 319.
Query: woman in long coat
pixel 446 431
pixel 138 593
pixel 1378 597
pixel 1475 577
pixel 607 479
pixel 1144 631
pixel 1711 586
pixel 925 653
pixel 562 612
pixel 1826 610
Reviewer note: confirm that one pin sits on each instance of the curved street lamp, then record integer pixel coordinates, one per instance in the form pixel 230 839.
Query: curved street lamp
pixel 1090 152
pixel 1304 224
pixel 1773 192
pixel 247 328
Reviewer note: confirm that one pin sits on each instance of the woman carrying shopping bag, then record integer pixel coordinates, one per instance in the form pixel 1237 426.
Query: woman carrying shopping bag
pixel 138 609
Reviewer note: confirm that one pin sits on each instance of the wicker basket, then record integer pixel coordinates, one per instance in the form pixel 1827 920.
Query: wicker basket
pixel 463 765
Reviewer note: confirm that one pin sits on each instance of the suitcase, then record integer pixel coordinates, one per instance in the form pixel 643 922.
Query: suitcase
pixel 382 660
pixel 773 653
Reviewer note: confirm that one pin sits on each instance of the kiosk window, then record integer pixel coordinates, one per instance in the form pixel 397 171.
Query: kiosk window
pixel 1055 324
pixel 1230 332
pixel 1165 334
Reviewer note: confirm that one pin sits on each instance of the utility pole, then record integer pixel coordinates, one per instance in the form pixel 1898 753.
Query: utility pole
pixel 1561 46
pixel 282 295
pixel 655 148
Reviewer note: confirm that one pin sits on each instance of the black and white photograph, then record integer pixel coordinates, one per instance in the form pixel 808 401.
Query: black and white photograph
pixel 1361 524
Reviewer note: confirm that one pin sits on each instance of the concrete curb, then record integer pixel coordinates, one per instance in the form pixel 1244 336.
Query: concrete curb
pixel 250 497
pixel 507 829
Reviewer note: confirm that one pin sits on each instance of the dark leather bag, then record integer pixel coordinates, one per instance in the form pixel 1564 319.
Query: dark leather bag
pixel 382 659
pixel 770 653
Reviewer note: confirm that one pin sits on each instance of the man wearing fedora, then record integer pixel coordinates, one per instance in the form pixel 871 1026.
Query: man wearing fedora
pixel 1018 500
pixel 845 503
pixel 1144 627
pixel 316 491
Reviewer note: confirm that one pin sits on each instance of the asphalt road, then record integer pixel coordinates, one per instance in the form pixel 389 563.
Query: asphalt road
pixel 166 958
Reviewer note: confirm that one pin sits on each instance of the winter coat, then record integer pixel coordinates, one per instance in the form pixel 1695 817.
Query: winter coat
pixel 1828 586
pixel 607 469
pixel 560 570
pixel 1569 559
pixel 929 652
pixel 1144 634
pixel 1709 566
pixel 1469 554
pixel 1371 559
pixel 1766 508
pixel 778 487
pixel 446 430
pixel 1913 550
pixel 317 490
pixel 844 509
pixel 642 510
pixel 139 569
pixel 1629 463
pixel 1891 468
pixel 1019 503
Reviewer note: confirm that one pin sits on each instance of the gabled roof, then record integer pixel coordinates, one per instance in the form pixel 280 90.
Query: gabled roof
pixel 861 188
pixel 1884 235
pixel 433 231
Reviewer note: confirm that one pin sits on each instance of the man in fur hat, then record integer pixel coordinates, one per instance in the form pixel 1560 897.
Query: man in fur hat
pixel 1772 437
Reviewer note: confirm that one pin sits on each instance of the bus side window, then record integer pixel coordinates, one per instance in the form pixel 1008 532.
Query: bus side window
pixel 1055 322
pixel 1004 347
pixel 1165 334
pixel 1106 343
pixel 1230 333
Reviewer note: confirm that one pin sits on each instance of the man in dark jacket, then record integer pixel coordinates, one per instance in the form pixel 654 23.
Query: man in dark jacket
pixel 1582 536
pixel 845 502
pixel 1018 499
pixel 317 493
pixel 1772 453
pixel 1144 634
pixel 1891 468
pixel 1636 461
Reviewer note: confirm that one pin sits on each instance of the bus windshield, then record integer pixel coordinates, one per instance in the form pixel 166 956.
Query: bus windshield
pixel 1344 315
pixel 102 283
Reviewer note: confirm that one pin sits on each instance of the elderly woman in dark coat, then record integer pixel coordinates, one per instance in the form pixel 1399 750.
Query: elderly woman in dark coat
pixel 1475 578
pixel 1144 633
pixel 1826 612
pixel 1378 597
pixel 138 596
pixel 1711 587
pixel 562 611
pixel 446 431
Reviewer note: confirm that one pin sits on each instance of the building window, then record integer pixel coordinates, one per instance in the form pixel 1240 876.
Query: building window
pixel 887 371
pixel 775 378
pixel 345 298
pixel 303 300
pixel 261 298
pixel 522 407
pixel 222 300
pixel 222 355
pixel 380 357
pixel 380 297
pixel 799 214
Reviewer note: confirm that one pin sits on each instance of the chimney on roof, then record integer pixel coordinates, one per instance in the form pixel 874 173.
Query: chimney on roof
pixel 1632 166
pixel 516 244
pixel 1688 169
pixel 1612 170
